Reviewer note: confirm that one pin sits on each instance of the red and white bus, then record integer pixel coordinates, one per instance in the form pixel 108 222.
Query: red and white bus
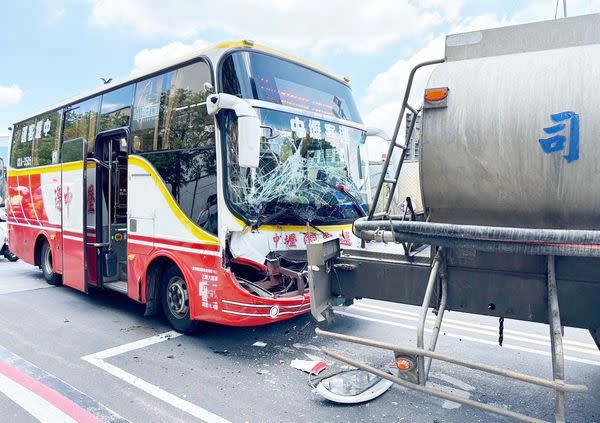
pixel 193 188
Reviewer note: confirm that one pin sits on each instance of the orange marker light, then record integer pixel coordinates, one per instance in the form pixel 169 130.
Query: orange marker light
pixel 436 94
pixel 404 365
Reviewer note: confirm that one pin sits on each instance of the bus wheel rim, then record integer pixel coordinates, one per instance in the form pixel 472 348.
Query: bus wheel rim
pixel 177 297
pixel 47 262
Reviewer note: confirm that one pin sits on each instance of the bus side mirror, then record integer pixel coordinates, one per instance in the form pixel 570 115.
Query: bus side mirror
pixel 249 130
pixel 377 132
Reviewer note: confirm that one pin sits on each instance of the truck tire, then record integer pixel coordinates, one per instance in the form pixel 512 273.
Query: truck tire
pixel 46 264
pixel 175 301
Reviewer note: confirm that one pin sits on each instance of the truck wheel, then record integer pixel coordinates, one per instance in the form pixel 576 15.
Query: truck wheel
pixel 47 265
pixel 175 301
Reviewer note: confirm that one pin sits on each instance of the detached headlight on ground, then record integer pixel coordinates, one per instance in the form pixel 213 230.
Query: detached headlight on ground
pixel 352 386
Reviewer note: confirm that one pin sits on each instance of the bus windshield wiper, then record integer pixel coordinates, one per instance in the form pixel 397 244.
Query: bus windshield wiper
pixel 355 203
pixel 339 187
pixel 263 221
pixel 260 220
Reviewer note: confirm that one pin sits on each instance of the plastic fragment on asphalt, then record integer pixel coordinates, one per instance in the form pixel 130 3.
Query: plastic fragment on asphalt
pixel 352 387
pixel 309 366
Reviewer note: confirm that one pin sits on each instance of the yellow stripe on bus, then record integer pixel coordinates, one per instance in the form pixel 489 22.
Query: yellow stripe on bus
pixel 297 228
pixel 202 235
pixel 66 167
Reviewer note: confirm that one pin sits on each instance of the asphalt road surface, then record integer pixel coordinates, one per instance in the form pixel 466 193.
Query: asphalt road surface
pixel 66 357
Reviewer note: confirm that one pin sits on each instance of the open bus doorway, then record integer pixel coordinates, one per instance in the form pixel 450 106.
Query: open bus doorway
pixel 107 206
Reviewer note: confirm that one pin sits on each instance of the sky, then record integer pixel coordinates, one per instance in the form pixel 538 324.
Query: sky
pixel 53 49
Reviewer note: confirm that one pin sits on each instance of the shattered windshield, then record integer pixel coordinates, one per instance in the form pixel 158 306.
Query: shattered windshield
pixel 311 171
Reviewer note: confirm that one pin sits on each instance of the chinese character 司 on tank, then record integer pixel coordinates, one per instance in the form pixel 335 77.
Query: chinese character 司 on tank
pixel 557 141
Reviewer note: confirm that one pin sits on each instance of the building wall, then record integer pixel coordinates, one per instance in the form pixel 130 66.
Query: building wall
pixel 409 186
pixel 4 148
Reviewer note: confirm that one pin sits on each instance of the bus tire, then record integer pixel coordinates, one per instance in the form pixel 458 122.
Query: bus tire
pixel 175 301
pixel 46 265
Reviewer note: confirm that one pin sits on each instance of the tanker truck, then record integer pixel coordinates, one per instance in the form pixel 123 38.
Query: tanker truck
pixel 509 176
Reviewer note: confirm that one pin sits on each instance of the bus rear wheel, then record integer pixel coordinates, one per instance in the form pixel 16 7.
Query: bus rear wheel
pixel 175 301
pixel 46 264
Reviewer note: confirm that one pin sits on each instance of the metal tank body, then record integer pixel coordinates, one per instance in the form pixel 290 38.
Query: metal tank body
pixel 519 141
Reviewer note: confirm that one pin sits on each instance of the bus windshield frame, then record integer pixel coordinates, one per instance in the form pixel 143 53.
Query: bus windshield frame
pixel 261 76
pixel 312 158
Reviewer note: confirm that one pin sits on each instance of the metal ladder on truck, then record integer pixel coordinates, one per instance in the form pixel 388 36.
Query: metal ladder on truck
pixel 395 146
pixel 414 363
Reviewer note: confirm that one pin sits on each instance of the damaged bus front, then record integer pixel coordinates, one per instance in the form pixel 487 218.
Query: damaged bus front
pixel 304 180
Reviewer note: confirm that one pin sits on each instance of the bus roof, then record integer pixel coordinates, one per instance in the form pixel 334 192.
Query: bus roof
pixel 226 45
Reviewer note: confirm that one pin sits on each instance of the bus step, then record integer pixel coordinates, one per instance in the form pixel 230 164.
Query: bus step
pixel 118 286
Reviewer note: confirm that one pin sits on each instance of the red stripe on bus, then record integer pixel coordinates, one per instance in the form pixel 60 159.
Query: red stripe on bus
pixel 173 242
pixel 61 402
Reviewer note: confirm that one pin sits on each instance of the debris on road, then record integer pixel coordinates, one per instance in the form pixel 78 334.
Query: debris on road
pixel 313 367
pixel 352 387
pixel 311 347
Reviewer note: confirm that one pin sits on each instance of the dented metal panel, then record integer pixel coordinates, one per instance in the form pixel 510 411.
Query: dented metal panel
pixel 518 143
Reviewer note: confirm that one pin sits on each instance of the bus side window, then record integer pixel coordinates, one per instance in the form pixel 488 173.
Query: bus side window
pixel 22 142
pixel 148 105
pixel 81 120
pixel 116 108
pixel 72 150
pixel 172 130
pixel 46 143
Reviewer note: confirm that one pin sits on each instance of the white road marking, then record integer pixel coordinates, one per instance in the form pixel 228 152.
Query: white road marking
pixel 450 405
pixel 468 338
pixel 531 338
pixel 35 405
pixel 453 381
pixel 360 303
pixel 97 359
pixel 136 345
pixel 23 285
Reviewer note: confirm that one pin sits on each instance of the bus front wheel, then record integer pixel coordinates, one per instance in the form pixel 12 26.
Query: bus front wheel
pixel 175 300
pixel 47 265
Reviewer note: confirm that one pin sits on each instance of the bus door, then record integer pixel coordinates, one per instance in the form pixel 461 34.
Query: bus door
pixel 72 200
pixel 110 210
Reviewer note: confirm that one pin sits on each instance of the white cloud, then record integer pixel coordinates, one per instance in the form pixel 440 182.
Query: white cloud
pixel 385 93
pixel 58 13
pixel 10 94
pixel 338 25
pixel 149 58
